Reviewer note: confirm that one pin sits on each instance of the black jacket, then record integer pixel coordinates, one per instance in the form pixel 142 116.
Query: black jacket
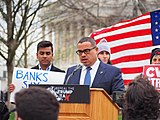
pixel 53 68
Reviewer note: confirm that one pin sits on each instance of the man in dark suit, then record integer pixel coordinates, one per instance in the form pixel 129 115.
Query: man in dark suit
pixel 102 75
pixel 45 56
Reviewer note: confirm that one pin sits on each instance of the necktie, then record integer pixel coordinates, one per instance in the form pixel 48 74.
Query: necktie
pixel 87 79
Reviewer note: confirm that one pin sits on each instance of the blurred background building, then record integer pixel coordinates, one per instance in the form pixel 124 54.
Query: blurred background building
pixel 67 21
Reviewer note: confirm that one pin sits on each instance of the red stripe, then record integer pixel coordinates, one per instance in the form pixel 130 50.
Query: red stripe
pixel 112 28
pixel 136 17
pixel 131 58
pixel 126 82
pixel 131 46
pixel 126 35
pixel 139 22
pixel 132 70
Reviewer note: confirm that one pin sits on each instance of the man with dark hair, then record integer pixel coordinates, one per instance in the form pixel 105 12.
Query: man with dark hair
pixel 36 103
pixel 94 72
pixel 141 100
pixel 45 57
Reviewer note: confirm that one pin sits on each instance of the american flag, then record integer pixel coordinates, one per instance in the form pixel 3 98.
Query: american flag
pixel 131 42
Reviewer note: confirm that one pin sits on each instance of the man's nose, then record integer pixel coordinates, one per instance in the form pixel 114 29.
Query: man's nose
pixel 105 55
pixel 44 55
pixel 83 54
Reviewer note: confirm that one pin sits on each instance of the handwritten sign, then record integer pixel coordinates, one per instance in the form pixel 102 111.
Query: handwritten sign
pixel 23 77
pixel 153 72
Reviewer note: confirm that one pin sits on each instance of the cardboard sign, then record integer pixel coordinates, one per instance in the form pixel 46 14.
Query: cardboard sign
pixel 69 93
pixel 153 72
pixel 23 77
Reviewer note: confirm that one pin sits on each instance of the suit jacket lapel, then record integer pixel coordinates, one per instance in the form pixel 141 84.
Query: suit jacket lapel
pixel 99 74
pixel 77 76
pixel 52 68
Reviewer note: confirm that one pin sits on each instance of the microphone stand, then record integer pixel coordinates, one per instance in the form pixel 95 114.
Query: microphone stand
pixel 68 78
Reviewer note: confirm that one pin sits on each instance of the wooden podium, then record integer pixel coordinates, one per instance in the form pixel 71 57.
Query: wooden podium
pixel 101 107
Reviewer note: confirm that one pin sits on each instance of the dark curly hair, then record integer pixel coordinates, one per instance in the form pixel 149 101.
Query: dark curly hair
pixel 36 103
pixel 141 100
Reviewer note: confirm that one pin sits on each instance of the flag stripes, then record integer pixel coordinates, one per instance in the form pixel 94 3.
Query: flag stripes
pixel 131 43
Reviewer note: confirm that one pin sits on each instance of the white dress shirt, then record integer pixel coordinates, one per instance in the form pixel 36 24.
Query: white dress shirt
pixel 93 72
pixel 48 69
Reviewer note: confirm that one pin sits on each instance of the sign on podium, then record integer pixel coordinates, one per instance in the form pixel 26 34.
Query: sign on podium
pixel 69 93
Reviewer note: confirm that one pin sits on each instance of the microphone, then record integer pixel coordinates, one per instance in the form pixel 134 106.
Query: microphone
pixel 77 68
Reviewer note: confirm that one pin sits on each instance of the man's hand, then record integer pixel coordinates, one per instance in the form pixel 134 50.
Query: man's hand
pixel 11 87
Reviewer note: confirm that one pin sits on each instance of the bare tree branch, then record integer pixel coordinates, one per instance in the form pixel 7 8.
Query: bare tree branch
pixel 33 14
pixel 29 45
pixel 3 56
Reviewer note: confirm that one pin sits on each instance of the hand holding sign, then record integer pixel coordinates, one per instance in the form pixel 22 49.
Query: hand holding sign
pixel 23 77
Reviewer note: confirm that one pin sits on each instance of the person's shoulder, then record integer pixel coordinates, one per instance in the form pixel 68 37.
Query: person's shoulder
pixel 35 67
pixel 109 66
pixel 71 67
pixel 56 69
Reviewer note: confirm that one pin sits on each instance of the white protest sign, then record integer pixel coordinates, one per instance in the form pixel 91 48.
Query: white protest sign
pixel 23 77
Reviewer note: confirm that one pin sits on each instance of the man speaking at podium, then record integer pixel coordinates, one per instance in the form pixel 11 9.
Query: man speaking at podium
pixel 93 72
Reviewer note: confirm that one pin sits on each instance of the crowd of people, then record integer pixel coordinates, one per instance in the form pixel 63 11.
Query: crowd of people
pixel 141 98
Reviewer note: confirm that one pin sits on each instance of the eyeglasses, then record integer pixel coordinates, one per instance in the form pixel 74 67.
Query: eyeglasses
pixel 85 51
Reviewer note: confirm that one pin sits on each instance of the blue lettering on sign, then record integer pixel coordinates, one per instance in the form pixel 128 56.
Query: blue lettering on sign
pixel 26 76
pixel 31 78
pixel 27 83
pixel 44 75
pixel 34 76
pixel 19 74
pixel 37 76
pixel 34 83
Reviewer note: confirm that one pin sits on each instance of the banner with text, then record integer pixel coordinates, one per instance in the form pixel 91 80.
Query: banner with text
pixel 23 77
pixel 153 72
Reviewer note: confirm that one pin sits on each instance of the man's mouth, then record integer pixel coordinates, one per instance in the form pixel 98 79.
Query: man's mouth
pixel 84 60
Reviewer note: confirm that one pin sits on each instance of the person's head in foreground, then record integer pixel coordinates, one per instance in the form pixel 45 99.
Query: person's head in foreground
pixel 36 103
pixel 155 56
pixel 104 51
pixel 141 100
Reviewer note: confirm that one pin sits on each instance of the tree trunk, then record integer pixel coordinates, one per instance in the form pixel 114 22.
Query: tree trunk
pixel 25 52
pixel 10 67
